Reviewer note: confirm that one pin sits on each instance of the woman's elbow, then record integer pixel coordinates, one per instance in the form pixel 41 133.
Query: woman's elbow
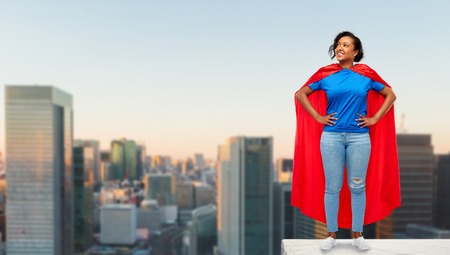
pixel 298 95
pixel 393 96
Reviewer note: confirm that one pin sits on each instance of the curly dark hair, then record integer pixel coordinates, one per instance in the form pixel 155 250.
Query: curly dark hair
pixel 356 42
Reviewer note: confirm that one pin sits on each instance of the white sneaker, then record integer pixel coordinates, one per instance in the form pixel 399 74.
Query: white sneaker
pixel 328 244
pixel 361 243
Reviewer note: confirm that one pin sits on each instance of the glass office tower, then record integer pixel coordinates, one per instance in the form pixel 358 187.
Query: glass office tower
pixel 84 157
pixel 39 134
pixel 124 160
pixel 245 196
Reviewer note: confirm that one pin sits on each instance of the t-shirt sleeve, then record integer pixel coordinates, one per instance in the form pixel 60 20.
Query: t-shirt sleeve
pixel 315 85
pixel 377 86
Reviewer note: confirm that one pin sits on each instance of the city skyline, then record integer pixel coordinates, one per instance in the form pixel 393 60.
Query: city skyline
pixel 183 77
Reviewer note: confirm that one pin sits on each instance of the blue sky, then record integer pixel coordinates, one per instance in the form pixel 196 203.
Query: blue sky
pixel 183 76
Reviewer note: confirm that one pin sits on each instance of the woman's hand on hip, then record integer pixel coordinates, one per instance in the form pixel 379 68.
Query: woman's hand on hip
pixel 329 119
pixel 365 122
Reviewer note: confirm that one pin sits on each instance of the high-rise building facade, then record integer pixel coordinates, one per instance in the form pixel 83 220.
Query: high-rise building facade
pixel 84 163
pixel 125 156
pixel 188 166
pixel 162 188
pixel 105 163
pixel 185 193
pixel 117 161
pixel 284 170
pixel 39 135
pixel 95 147
pixel 283 223
pixel 245 196
pixel 199 161
pixel 441 214
pixel 415 154
pixel 201 234
pixel 203 194
pixel 140 163
pixel 308 228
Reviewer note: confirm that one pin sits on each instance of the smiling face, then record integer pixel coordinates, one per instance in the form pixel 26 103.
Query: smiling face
pixel 345 50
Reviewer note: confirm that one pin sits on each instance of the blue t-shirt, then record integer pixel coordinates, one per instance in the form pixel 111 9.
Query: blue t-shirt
pixel 346 92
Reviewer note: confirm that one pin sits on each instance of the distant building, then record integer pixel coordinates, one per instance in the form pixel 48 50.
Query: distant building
pixel 199 161
pixel 161 187
pixel 184 216
pixel 105 163
pixel 147 164
pixel 39 134
pixel 245 196
pixel 118 224
pixel 95 147
pixel 209 176
pixel 416 231
pixel 84 164
pixel 284 170
pixel 201 235
pixel 185 193
pixel 204 194
pixel 188 166
pixel 117 161
pixel 125 157
pixel 185 199
pixel 283 212
pixel 191 195
pixel 441 213
pixel 308 228
pixel 415 154
pixel 149 216
pixel 141 157
pixel 160 164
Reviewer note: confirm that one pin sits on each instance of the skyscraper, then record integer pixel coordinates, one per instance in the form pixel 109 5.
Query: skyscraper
pixel 283 223
pixel 140 164
pixel 200 161
pixel 284 170
pixel 124 160
pixel 201 233
pixel 245 196
pixel 415 154
pixel 84 164
pixel 39 161
pixel 441 213
pixel 308 228
pixel 161 187
pixel 95 147
pixel 105 163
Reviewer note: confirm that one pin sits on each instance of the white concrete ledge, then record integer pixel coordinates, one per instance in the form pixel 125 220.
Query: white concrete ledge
pixel 379 246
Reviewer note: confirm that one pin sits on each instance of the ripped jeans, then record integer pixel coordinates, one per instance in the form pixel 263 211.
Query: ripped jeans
pixel 353 151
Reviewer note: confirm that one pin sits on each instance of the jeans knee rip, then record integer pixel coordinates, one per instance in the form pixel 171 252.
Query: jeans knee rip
pixel 357 183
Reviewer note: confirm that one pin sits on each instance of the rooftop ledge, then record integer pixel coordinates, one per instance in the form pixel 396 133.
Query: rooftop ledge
pixel 379 246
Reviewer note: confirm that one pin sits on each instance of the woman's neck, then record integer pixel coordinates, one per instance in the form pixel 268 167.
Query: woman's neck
pixel 346 64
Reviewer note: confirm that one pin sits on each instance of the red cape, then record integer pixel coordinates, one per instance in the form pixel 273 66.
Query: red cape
pixel 383 175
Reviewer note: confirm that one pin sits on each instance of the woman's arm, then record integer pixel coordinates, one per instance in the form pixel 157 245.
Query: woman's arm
pixel 388 102
pixel 302 98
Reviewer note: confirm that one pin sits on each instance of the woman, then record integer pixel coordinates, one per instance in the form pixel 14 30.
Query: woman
pixel 345 126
